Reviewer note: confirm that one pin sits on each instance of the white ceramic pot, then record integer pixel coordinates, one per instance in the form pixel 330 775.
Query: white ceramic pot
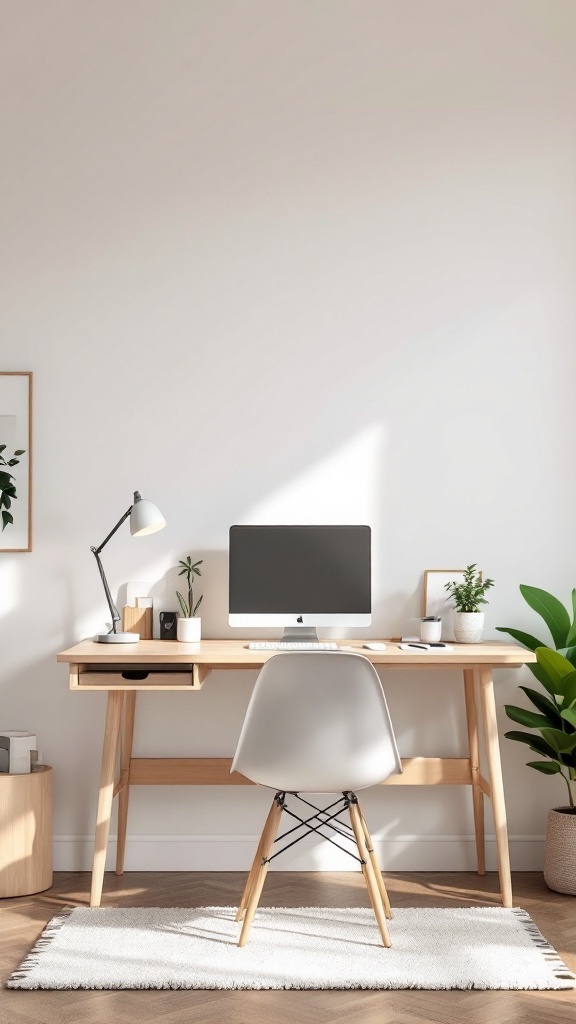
pixel 560 863
pixel 468 627
pixel 189 631
pixel 430 630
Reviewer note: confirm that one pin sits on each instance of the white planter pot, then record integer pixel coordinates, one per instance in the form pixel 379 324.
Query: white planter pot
pixel 560 863
pixel 468 627
pixel 189 631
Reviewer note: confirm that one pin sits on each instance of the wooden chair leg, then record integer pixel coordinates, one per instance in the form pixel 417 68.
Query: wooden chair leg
pixel 256 863
pixel 369 875
pixel 267 844
pixel 377 870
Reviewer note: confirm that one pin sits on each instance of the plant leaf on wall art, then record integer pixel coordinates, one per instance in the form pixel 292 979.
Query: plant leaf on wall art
pixel 15 461
pixel 436 600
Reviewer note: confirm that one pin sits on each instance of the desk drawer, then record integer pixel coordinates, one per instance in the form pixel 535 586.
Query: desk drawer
pixel 135 677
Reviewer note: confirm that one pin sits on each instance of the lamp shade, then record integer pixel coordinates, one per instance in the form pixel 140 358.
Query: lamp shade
pixel 145 517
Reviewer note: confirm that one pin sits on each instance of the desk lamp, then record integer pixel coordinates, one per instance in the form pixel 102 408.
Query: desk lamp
pixel 145 518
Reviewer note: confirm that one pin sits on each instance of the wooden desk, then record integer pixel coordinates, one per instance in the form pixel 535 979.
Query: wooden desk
pixel 125 670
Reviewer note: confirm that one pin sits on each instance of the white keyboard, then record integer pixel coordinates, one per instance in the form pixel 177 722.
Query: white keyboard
pixel 279 645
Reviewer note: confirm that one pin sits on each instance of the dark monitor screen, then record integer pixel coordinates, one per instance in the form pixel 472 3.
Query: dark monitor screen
pixel 300 570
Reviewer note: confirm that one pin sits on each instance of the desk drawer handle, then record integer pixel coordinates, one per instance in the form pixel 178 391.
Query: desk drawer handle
pixel 135 676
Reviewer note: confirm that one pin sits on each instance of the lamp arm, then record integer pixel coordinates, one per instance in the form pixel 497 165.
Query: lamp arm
pixel 113 609
pixel 96 552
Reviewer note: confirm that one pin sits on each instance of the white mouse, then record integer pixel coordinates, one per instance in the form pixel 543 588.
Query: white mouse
pixel 374 647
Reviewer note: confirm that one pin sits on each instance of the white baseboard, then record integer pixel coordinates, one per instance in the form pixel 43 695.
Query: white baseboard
pixel 235 853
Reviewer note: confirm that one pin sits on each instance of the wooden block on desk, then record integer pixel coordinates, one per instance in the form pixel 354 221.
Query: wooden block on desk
pixel 137 620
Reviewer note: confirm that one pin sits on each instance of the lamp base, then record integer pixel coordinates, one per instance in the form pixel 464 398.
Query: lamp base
pixel 117 638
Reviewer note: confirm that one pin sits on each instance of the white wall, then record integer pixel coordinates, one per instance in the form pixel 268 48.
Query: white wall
pixel 309 261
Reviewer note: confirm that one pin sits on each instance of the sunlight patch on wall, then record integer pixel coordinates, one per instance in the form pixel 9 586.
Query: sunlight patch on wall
pixel 8 588
pixel 341 488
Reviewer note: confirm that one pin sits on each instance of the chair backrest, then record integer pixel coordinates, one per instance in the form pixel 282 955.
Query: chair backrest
pixel 317 722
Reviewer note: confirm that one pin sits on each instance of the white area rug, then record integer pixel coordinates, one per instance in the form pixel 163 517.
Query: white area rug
pixel 306 947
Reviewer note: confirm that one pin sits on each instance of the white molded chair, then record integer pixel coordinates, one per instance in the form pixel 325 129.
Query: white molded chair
pixel 317 722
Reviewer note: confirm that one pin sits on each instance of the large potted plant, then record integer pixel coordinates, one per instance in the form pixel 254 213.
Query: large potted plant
pixel 189 628
pixel 553 734
pixel 468 596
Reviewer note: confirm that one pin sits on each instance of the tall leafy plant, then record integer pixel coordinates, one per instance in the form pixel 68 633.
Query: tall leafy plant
pixel 554 726
pixel 561 627
pixel 186 603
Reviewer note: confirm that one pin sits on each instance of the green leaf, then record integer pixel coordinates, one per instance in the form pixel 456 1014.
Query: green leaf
pixel 571 638
pixel 556 667
pixel 546 767
pixel 569 691
pixel 563 742
pixel 6 500
pixel 544 705
pixel 536 743
pixel 20 451
pixel 183 605
pixel 7 517
pixel 569 653
pixel 543 678
pixel 528 718
pixel 551 610
pixel 569 714
pixel 526 639
pixel 13 462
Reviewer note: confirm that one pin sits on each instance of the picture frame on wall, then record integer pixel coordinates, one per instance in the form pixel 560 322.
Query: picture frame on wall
pixel 437 601
pixel 15 461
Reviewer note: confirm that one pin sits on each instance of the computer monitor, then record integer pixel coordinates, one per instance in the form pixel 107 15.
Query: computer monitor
pixel 300 577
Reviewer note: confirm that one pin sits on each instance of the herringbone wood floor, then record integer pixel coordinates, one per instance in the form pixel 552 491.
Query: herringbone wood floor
pixel 21 921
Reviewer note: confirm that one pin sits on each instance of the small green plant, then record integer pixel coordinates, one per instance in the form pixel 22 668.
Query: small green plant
pixel 7 486
pixel 469 595
pixel 555 670
pixel 189 570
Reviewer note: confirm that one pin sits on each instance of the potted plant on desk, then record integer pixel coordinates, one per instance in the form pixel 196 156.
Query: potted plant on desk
pixel 553 734
pixel 467 597
pixel 189 629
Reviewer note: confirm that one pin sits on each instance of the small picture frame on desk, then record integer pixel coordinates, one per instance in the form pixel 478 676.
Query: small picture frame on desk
pixel 436 600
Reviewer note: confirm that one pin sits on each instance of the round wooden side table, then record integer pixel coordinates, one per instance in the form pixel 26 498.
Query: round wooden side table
pixel 25 832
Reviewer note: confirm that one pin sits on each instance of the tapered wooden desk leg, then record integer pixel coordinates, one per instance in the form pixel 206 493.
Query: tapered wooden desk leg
pixel 496 782
pixel 126 736
pixel 111 731
pixel 474 750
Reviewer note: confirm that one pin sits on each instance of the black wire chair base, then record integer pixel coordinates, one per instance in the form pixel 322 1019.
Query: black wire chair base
pixel 323 819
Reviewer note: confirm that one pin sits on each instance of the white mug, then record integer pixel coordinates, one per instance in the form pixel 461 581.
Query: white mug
pixel 430 630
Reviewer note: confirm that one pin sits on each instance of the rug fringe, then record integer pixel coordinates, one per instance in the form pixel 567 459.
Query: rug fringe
pixel 556 964
pixel 44 940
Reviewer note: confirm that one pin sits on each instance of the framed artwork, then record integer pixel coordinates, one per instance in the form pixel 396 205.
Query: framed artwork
pixel 437 601
pixel 15 461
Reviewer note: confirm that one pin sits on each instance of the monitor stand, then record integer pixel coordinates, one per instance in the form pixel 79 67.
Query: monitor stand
pixel 299 634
